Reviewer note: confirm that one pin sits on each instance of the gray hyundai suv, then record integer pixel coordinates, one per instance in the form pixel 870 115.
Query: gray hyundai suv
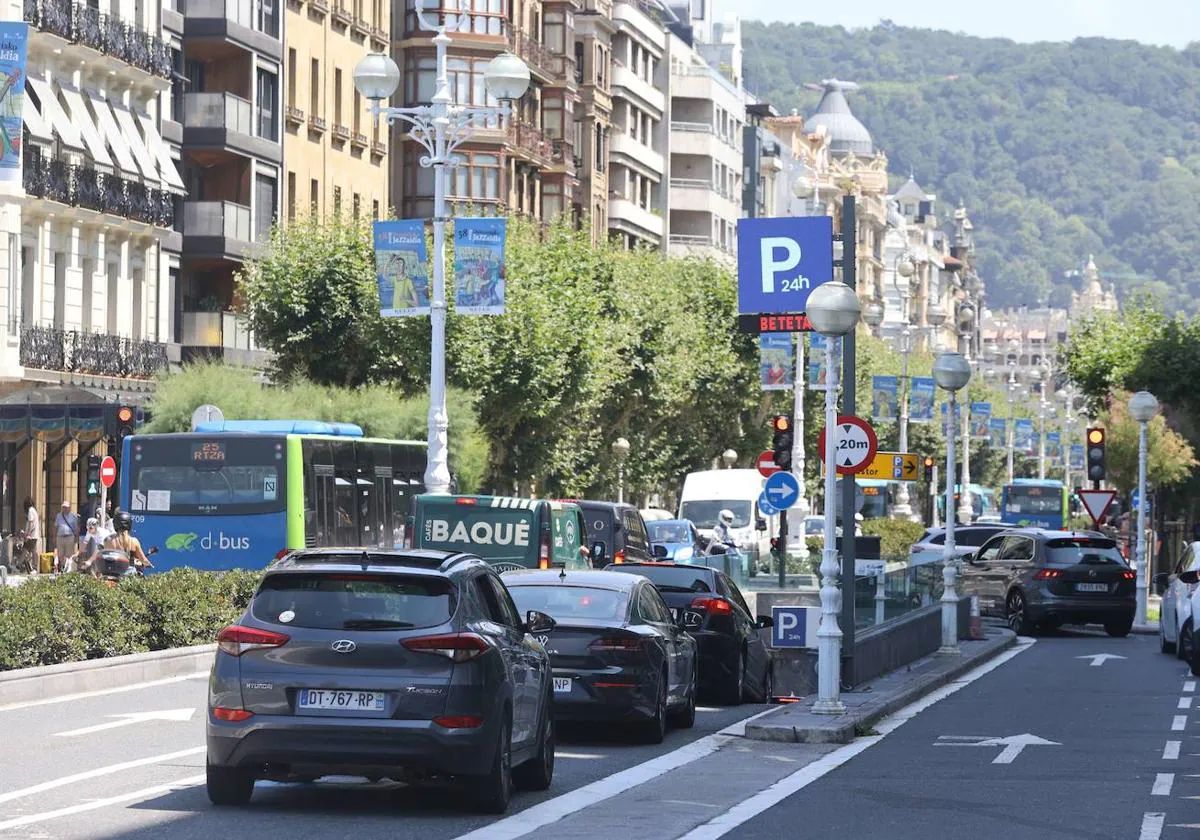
pixel 397 664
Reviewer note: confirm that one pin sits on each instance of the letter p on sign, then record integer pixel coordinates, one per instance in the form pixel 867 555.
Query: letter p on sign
pixel 789 255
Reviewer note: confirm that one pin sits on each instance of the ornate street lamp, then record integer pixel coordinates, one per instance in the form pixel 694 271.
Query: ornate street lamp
pixel 620 449
pixel 952 373
pixel 1142 408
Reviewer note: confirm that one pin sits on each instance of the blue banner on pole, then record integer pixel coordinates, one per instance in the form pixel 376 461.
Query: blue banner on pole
pixel 920 400
pixel 479 273
pixel 817 374
pixel 776 363
pixel 981 413
pixel 998 432
pixel 1023 436
pixel 1054 447
pixel 14 42
pixel 885 397
pixel 1076 456
pixel 400 268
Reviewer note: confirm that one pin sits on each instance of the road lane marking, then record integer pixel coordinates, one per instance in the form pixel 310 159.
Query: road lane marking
pixel 1171 750
pixel 1163 783
pixel 1190 685
pixel 1179 724
pixel 177 715
pixel 1013 744
pixel 1152 826
pixel 12 707
pixel 8 796
pixel 722 824
pixel 95 804
pixel 1099 659
pixel 1185 702
pixel 563 754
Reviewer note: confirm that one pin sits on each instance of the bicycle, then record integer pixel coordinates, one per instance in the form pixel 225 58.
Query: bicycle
pixel 25 560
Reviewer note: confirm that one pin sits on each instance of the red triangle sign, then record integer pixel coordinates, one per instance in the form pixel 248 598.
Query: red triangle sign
pixel 1096 502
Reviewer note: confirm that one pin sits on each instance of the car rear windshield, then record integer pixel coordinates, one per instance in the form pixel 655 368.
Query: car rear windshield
pixel 673 578
pixel 669 532
pixel 353 601
pixel 571 602
pixel 1092 551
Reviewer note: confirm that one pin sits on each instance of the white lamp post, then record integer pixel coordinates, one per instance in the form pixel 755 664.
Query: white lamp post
pixel 620 449
pixel 952 373
pixel 1142 408
pixel 906 267
pixel 440 128
pixel 729 457
pixel 935 316
pixel 966 325
pixel 833 309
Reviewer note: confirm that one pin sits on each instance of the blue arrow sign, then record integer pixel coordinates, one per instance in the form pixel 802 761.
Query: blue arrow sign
pixel 781 260
pixel 764 505
pixel 782 490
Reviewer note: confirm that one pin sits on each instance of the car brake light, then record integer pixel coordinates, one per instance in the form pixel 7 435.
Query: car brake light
pixel 716 606
pixel 457 647
pixel 1129 575
pixel 616 643
pixel 459 721
pixel 231 715
pixel 236 639
pixel 1047 574
pixel 465 501
pixel 619 557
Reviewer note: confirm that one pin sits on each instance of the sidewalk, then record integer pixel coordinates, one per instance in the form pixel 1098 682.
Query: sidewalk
pixel 796 722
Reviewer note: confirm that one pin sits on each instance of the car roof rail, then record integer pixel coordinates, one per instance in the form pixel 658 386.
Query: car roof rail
pixel 453 560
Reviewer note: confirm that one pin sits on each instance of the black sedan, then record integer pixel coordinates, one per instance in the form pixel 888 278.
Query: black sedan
pixel 616 652
pixel 735 664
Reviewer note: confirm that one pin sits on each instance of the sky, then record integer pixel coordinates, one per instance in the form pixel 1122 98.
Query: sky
pixel 1166 22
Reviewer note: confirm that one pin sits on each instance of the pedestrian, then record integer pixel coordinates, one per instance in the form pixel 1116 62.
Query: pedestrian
pixel 66 529
pixel 88 561
pixel 32 535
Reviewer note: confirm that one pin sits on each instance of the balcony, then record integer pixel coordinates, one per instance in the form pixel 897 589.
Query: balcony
pixel 563 70
pixel 81 25
pixel 88 189
pixel 625 215
pixel 98 354
pixel 217 230
pixel 643 18
pixel 241 21
pixel 341 132
pixel 316 124
pixel 361 27
pixel 293 115
pixel 634 85
pixel 321 7
pixel 342 13
pixel 531 141
pixel 563 157
pixel 693 81
pixel 625 150
pixel 700 140
pixel 379 38
pixel 698 245
pixel 534 52
pixel 702 196
pixel 378 148
pixel 359 140
pixel 600 7
pixel 226 122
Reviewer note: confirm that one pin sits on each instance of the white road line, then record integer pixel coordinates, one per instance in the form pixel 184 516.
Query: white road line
pixel 1179 724
pixel 563 754
pixel 1152 826
pixel 776 793
pixel 11 707
pixel 1171 750
pixel 1185 702
pixel 8 796
pixel 95 804
pixel 1163 782
pixel 1190 685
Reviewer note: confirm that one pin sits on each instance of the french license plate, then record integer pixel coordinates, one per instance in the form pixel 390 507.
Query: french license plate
pixel 354 701
pixel 1091 587
pixel 562 685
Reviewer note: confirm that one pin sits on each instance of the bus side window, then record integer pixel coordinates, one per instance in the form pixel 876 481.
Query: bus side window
pixel 404 465
pixel 345 496
pixel 364 491
pixel 383 495
pixel 318 490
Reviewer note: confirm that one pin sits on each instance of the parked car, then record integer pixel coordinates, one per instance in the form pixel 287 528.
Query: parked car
pixel 1035 578
pixel 616 532
pixel 1175 614
pixel 395 664
pixel 735 664
pixel 1188 642
pixel 967 540
pixel 678 538
pixel 617 653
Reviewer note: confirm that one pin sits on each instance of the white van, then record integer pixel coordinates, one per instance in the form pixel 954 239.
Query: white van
pixel 705 494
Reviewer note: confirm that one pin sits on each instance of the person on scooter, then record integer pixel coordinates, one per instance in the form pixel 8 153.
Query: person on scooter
pixel 124 540
pixel 721 536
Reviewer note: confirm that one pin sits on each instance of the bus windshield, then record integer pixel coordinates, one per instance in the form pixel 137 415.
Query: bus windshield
pixel 1033 499
pixel 217 475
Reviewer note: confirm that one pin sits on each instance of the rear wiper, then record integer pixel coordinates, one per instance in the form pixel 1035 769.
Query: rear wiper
pixel 375 624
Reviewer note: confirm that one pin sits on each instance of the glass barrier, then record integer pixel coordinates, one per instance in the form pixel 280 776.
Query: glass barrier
pixel 903 587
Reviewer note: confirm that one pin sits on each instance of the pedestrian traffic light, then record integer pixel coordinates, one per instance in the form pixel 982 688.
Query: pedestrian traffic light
pixel 929 468
pixel 126 421
pixel 93 475
pixel 1095 454
pixel 781 425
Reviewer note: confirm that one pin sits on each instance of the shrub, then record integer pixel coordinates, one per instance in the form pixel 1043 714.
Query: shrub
pixel 896 536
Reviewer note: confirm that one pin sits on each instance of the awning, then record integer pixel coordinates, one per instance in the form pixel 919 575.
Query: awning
pixel 54 115
pixel 158 148
pixel 133 137
pixel 110 132
pixel 81 118
pixel 34 122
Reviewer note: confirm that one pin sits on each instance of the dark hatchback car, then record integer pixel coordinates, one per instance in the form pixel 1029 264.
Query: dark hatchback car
pixel 1038 578
pixel 397 664
pixel 616 651
pixel 616 533
pixel 735 664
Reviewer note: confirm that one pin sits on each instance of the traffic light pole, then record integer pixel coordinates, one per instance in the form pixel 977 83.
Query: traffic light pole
pixel 781 552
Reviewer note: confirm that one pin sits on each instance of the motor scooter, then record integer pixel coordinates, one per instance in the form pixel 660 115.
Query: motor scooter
pixel 116 564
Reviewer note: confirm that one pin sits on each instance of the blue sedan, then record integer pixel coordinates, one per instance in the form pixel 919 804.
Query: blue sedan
pixel 678 536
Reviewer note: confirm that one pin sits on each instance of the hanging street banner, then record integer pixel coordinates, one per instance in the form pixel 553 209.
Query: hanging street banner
pixel 1023 436
pixel 885 397
pixel 14 42
pixel 1054 447
pixel 775 361
pixel 998 432
pixel 981 413
pixel 920 399
pixel 1076 456
pixel 401 275
pixel 479 266
pixel 816 364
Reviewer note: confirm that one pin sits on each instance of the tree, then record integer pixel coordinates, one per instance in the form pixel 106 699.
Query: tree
pixel 1170 460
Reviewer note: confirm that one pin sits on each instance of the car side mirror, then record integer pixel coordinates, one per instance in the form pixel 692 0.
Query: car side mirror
pixel 764 622
pixel 539 622
pixel 760 524
pixel 660 551
pixel 1190 577
pixel 597 552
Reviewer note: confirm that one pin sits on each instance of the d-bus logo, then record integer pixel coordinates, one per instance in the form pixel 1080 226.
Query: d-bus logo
pixel 221 542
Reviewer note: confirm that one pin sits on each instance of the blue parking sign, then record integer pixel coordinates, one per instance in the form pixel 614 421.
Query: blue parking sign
pixel 794 626
pixel 781 260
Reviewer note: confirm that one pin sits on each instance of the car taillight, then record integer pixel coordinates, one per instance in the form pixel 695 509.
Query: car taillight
pixel 619 557
pixel 467 500
pixel 236 639
pixel 1047 574
pixel 616 643
pixel 281 553
pixel 1129 575
pixel 457 647
pixel 715 606
pixel 544 551
pixel 231 715
pixel 459 721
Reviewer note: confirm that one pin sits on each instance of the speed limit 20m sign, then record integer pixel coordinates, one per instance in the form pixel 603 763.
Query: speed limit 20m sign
pixel 856 445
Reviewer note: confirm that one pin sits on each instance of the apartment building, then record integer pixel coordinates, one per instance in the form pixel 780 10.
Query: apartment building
pixel 594 31
pixel 334 152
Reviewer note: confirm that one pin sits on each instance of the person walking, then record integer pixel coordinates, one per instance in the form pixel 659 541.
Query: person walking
pixel 66 537
pixel 32 535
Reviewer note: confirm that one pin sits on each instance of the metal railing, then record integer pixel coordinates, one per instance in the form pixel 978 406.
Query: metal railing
pixel 690 239
pixel 75 351
pixel 698 127
pixel 105 33
pixel 218 110
pixel 78 185
pixel 531 140
pixel 217 218
pixel 316 123
pixel 534 52
pixel 294 114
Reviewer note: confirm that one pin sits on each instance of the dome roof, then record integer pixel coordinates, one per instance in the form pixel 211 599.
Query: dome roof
pixel 846 134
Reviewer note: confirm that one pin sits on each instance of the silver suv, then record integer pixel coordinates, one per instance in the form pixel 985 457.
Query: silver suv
pixel 396 664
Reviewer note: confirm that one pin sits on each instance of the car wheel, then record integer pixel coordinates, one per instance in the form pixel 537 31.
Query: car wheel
pixel 538 772
pixel 1014 611
pixel 685 718
pixel 1119 628
pixel 653 731
pixel 228 786
pixel 733 692
pixel 493 791
pixel 1183 648
pixel 1163 645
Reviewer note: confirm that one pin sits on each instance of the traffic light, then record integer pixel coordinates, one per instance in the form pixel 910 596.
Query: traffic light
pixel 928 469
pixel 781 443
pixel 126 422
pixel 1095 454
pixel 93 475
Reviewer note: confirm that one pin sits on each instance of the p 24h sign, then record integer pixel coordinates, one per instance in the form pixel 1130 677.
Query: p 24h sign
pixel 781 260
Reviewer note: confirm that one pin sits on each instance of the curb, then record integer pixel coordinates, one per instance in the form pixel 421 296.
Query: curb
pixel 68 678
pixel 845 728
pixel 1145 629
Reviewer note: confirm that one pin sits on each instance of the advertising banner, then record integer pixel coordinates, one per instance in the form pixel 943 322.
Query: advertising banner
pixel 400 268
pixel 1023 437
pixel 48 423
pixel 479 266
pixel 920 400
pixel 14 41
pixel 1054 447
pixel 775 362
pixel 816 363
pixel 1076 456
pixel 998 432
pixel 885 397
pixel 981 413
pixel 14 423
pixel 86 422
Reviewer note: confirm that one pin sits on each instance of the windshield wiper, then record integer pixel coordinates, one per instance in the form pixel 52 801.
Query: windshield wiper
pixel 375 624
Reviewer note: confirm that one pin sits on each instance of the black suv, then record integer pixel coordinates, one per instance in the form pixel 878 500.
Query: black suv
pixel 396 664
pixel 616 533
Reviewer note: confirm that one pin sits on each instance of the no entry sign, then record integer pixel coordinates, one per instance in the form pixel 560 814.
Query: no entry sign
pixel 108 471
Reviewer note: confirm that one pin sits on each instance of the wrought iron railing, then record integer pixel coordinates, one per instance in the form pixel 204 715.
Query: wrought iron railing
pixel 81 24
pixel 82 186
pixel 74 351
pixel 530 140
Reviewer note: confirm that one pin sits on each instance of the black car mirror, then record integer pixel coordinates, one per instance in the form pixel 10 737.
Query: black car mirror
pixel 539 622
pixel 1190 577
pixel 660 551
pixel 764 622
pixel 597 552
pixel 760 524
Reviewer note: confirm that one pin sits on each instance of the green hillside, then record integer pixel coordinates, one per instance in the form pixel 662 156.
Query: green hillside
pixel 1059 150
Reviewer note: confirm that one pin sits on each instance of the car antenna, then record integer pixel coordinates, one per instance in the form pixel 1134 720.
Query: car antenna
pixel 562 573
pixel 366 560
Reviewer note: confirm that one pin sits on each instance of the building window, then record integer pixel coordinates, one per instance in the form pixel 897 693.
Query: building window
pixel 291 196
pixel 375 209
pixel 478 178
pixel 358 109
pixel 291 78
pixel 488 17
pixel 268 17
pixel 314 197
pixel 355 206
pixel 314 88
pixel 179 84
pixel 337 201
pixel 267 93
pixel 337 96
pixel 14 285
pixel 266 202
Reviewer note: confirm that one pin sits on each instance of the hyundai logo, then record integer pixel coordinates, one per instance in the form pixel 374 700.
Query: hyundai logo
pixel 344 646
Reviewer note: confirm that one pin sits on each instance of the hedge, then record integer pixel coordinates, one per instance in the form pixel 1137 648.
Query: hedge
pixel 46 621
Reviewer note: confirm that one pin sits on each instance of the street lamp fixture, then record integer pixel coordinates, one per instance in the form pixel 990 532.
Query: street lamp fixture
pixel 730 458
pixel 1142 408
pixel 951 372
pixel 906 267
pixel 833 309
pixel 620 449
pixel 872 314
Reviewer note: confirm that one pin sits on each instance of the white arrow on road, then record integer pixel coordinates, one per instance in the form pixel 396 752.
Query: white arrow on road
pixel 1013 744
pixel 176 715
pixel 1099 659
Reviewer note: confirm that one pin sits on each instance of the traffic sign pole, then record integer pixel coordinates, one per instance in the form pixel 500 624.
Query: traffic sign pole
pixel 108 475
